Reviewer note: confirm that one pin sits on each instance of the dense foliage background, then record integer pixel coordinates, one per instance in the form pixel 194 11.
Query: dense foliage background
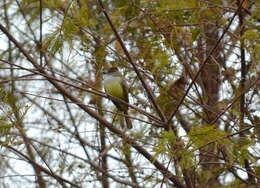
pixel 192 67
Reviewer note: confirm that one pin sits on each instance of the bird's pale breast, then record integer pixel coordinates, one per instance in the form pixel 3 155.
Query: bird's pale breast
pixel 113 87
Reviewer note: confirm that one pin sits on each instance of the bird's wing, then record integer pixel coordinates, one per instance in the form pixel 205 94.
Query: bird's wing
pixel 125 91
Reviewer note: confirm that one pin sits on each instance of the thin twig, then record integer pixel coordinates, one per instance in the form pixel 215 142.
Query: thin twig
pixel 173 178
pixel 205 61
pixel 131 61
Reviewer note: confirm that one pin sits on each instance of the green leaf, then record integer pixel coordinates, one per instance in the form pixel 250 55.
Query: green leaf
pixel 167 137
pixel 206 134
pixel 250 34
pixel 5 127
pixel 256 52
pixel 195 33
pixel 54 42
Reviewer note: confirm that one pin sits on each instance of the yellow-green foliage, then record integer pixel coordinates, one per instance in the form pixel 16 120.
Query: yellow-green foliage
pixel 11 115
pixel 162 147
pixel 174 148
pixel 200 136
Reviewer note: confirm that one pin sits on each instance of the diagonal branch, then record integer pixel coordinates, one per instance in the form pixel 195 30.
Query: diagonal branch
pixel 43 169
pixel 92 91
pixel 94 114
pixel 205 61
pixel 131 61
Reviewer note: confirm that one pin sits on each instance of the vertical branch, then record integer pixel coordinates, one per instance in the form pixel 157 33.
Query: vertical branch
pixel 205 61
pixel 148 90
pixel 103 146
pixel 9 46
pixel 77 135
pixel 129 162
pixel 210 79
pixel 100 58
pixel 104 164
pixel 19 125
pixel 243 68
pixel 243 72
pixel 40 42
pixel 210 84
pixel 18 122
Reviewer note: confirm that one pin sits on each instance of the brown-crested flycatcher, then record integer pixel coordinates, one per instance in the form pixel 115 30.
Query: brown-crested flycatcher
pixel 115 86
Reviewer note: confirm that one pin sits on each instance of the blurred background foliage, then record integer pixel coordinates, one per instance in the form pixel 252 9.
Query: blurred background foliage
pixel 213 140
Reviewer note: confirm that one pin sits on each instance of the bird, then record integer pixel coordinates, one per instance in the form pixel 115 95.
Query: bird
pixel 115 85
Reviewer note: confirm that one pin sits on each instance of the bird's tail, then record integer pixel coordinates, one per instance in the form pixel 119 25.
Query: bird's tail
pixel 128 121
